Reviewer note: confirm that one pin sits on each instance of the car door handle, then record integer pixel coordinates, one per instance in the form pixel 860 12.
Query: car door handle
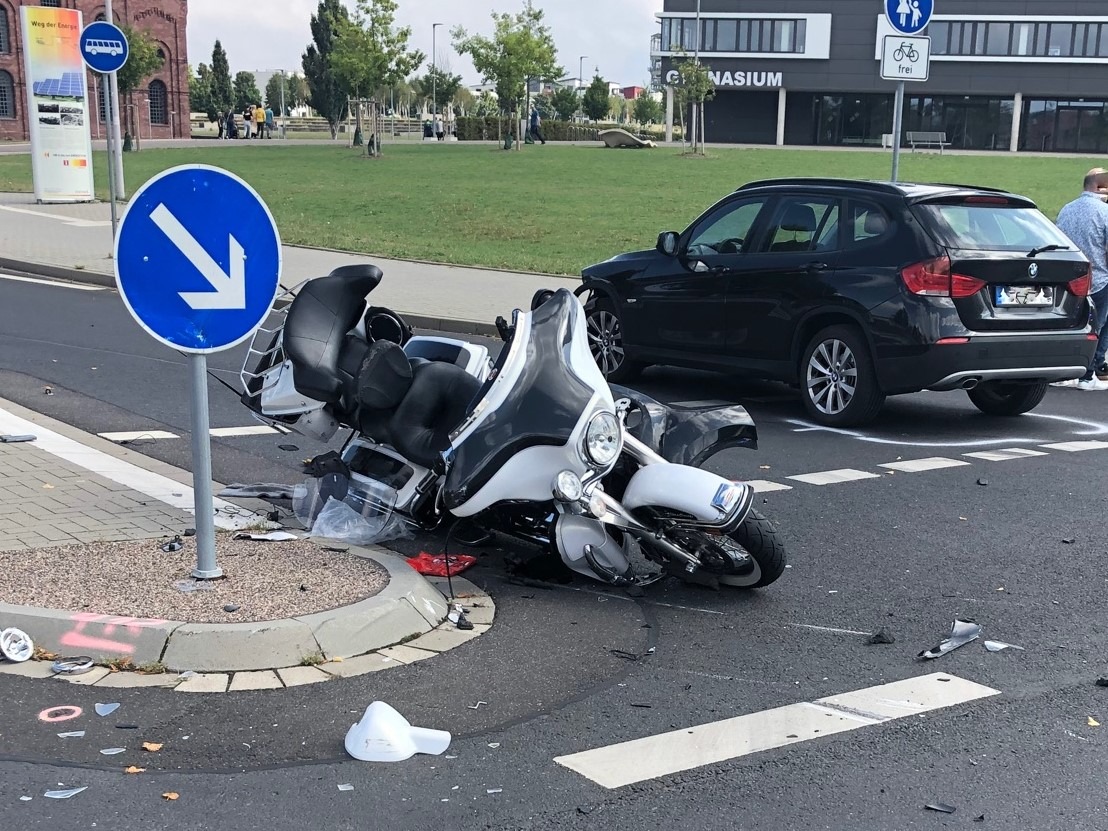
pixel 816 265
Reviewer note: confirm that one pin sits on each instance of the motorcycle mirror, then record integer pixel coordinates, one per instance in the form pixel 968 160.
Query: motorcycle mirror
pixel 667 243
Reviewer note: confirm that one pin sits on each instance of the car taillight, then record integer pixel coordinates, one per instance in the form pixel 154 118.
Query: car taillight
pixel 932 278
pixel 1080 286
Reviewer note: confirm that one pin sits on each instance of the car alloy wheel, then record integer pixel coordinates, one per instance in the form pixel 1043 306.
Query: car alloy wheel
pixel 832 376
pixel 605 340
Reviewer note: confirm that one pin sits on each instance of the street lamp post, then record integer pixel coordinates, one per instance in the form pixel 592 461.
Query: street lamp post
pixel 283 132
pixel 580 75
pixel 434 73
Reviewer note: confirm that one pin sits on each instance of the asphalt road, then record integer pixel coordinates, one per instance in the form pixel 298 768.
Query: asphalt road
pixel 907 551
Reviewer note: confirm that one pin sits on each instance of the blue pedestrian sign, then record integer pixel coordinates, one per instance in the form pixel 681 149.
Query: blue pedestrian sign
pixel 104 47
pixel 198 258
pixel 909 17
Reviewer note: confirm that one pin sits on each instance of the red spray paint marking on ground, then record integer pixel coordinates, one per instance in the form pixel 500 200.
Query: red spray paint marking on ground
pixel 99 638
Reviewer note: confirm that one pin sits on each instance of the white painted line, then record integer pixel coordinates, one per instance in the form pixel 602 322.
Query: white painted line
pixel 667 753
pixel 834 477
pixel 228 515
pixel 920 465
pixel 255 430
pixel 766 486
pixel 138 434
pixel 1005 455
pixel 58 283
pixel 827 629
pixel 1077 446
pixel 68 220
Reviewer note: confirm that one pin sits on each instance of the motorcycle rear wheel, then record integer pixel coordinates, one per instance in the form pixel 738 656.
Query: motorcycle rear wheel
pixel 756 537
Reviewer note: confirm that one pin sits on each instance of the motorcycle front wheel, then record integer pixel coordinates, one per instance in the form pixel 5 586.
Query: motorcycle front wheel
pixel 723 555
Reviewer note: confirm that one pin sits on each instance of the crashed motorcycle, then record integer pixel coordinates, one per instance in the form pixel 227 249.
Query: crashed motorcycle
pixel 534 444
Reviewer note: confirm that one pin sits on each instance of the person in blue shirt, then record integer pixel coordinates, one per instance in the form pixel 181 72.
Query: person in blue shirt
pixel 1085 221
pixel 536 133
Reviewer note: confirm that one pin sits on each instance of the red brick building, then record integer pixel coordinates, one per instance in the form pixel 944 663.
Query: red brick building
pixel 159 109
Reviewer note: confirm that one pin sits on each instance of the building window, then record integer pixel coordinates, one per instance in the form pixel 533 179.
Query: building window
pixel 5 33
pixel 1037 40
pixel 53 4
pixel 734 35
pixel 159 103
pixel 7 95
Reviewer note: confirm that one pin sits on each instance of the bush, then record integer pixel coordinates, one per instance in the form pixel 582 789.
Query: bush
pixel 471 128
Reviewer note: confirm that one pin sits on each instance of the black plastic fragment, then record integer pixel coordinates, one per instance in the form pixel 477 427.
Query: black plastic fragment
pixel 173 545
pixel 290 448
pixel 190 532
pixel 880 636
pixel 983 482
pixel 1102 681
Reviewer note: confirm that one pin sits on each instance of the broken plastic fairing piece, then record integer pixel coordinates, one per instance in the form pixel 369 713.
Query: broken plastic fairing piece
pixel 961 633
pixel 383 735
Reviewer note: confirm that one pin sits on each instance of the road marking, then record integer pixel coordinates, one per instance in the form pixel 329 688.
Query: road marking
pixel 766 486
pixel 1005 455
pixel 920 465
pixel 638 760
pixel 834 477
pixel 228 515
pixel 827 629
pixel 138 434
pixel 809 427
pixel 254 430
pixel 61 284
pixel 68 220
pixel 1076 446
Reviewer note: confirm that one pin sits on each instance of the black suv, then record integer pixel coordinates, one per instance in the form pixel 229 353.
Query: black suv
pixel 855 290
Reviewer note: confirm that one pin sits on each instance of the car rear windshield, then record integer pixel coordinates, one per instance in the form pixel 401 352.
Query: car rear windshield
pixel 991 227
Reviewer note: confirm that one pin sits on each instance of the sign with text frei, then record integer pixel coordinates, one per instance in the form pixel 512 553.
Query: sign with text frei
pixel 58 109
pixel 198 258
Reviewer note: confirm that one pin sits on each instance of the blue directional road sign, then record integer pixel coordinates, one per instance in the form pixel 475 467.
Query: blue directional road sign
pixel 909 16
pixel 104 47
pixel 198 258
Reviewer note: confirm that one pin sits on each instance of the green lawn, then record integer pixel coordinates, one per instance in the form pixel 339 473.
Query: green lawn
pixel 553 208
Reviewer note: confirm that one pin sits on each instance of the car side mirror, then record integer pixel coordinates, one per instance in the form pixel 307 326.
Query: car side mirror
pixel 699 266
pixel 667 243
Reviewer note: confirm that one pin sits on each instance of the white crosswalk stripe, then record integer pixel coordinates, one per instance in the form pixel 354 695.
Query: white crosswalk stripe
pixel 647 758
pixel 834 477
pixel 1077 446
pixel 766 486
pixel 921 465
pixel 1006 454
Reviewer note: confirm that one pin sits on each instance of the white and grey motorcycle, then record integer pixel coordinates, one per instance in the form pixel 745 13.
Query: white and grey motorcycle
pixel 535 444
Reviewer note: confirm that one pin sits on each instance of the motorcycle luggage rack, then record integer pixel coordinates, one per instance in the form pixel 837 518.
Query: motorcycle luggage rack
pixel 268 356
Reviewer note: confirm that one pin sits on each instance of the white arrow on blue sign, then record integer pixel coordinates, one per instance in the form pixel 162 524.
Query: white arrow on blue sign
pixel 104 47
pixel 909 16
pixel 198 258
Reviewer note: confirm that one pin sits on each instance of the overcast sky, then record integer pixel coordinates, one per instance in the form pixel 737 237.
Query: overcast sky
pixel 614 34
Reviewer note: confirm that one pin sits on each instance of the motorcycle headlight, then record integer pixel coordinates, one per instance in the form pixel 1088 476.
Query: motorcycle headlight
pixel 603 439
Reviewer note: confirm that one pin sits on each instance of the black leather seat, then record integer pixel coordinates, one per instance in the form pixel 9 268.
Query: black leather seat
pixel 800 219
pixel 316 328
pixel 412 404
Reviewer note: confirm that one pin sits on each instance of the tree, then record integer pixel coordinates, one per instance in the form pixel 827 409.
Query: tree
pixel 647 109
pixel 595 102
pixel 246 91
pixel 370 52
pixel 565 102
pixel 521 49
pixel 465 100
pixel 298 89
pixel 200 93
pixel 439 84
pixel 276 91
pixel 220 87
pixel 144 58
pixel 486 105
pixel 326 94
pixel 544 104
pixel 694 87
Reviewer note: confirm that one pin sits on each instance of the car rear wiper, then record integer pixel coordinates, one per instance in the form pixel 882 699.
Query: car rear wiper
pixel 1034 252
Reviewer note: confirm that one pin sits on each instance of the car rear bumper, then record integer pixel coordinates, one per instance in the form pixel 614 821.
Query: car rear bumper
pixel 989 358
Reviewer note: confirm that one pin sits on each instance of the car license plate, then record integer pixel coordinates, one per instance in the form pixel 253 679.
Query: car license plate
pixel 1028 296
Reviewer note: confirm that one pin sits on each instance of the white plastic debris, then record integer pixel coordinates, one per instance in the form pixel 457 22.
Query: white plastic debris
pixel 73 734
pixel 383 735
pixel 16 645
pixel 1000 646
pixel 106 709
pixel 272 536
pixel 112 751
pixel 66 794
pixel 347 787
pixel 494 790
pixel 25 798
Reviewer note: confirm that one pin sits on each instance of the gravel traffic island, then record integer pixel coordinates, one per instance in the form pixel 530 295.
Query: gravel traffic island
pixel 285 614
pixel 262 580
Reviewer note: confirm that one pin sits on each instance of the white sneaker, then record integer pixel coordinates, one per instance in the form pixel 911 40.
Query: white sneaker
pixel 1071 383
pixel 1093 383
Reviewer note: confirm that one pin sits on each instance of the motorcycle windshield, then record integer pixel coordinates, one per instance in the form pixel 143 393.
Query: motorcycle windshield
pixel 535 399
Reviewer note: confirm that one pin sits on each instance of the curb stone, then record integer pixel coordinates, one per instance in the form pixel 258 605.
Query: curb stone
pixel 408 610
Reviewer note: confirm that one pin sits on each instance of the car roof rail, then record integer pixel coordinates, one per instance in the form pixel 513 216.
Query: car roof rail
pixel 868 184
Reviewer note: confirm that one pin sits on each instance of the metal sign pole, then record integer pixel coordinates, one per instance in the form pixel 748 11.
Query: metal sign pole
pixel 109 105
pixel 115 156
pixel 898 126
pixel 206 567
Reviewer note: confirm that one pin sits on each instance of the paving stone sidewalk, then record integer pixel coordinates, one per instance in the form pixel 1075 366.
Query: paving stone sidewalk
pixel 46 501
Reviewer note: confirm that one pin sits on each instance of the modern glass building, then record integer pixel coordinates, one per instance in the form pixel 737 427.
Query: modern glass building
pixel 1005 74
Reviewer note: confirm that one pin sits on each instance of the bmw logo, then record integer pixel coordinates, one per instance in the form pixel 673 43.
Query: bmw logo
pixel 1033 270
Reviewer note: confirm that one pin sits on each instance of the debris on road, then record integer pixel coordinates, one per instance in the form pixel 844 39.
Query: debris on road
pixel 106 709
pixel 66 794
pixel 16 645
pixel 78 665
pixel 271 536
pixel 1102 681
pixel 983 482
pixel 25 798
pixel 383 735
pixel 288 448
pixel 74 734
pixel 262 490
pixel 881 636
pixel 478 705
pixel 1000 646
pixel 961 633
pixel 134 769
pixel 941 807
pixel 458 617
pixel 346 787
pixel 979 818
pixel 188 586
pixel 9 439
pixel 231 607
pixel 1093 722
pixel 494 790
pixel 112 751
pixel 435 565
pixel 152 747
pixel 171 796
pixel 174 544
pixel 1069 540
pixel 494 745
pixel 190 532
